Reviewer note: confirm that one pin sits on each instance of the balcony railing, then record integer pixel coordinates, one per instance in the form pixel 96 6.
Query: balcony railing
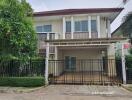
pixel 81 35
pixel 76 35
pixel 47 36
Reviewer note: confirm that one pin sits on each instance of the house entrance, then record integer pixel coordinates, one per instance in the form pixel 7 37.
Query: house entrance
pixel 70 63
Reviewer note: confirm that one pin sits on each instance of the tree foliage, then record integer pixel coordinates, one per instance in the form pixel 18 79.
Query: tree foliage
pixel 17 35
pixel 127 25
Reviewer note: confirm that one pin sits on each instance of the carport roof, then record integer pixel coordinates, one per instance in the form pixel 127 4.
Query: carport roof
pixel 82 42
pixel 90 40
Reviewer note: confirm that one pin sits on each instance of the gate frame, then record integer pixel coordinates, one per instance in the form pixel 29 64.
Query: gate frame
pixel 109 81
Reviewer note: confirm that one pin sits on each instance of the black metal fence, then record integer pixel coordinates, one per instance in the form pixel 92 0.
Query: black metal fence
pixel 129 71
pixel 85 71
pixel 17 68
pixel 119 69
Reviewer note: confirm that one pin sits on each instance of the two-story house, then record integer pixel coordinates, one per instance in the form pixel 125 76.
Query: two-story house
pixel 75 43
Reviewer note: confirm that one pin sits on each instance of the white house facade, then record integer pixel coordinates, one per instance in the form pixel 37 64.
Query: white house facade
pixel 72 35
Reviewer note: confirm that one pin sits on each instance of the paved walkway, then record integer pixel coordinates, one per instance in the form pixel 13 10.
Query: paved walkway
pixel 72 92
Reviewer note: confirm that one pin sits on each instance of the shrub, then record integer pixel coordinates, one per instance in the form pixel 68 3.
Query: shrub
pixel 22 81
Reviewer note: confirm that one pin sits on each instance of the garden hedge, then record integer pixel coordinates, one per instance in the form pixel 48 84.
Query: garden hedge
pixel 22 81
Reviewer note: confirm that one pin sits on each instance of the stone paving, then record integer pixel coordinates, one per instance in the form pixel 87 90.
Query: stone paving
pixel 72 92
pixel 85 90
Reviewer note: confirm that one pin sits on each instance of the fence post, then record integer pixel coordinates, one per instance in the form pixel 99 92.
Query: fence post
pixel 46 64
pixel 123 64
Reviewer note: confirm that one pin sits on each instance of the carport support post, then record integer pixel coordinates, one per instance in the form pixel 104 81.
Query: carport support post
pixel 123 64
pixel 46 64
pixel 56 58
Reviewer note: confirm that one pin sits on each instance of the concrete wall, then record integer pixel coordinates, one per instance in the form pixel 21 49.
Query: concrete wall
pixel 84 65
pixel 103 31
pixel 56 68
pixel 81 53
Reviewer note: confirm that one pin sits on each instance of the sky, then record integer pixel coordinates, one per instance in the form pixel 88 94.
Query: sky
pixel 46 5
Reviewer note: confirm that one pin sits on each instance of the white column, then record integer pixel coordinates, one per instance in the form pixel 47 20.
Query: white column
pixel 56 53
pixel 46 63
pixel 56 36
pixel 72 27
pixel 108 28
pixel 89 26
pixel 123 64
pixel 64 27
pixel 98 26
pixel 48 36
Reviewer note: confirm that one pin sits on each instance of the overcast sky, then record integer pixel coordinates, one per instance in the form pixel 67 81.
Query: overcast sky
pixel 45 5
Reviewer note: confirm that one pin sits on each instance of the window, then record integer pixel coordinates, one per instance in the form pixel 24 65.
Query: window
pixel 84 25
pixel 39 28
pixel 47 28
pixel 77 26
pixel 44 28
pixel 68 26
pixel 93 26
pixel 81 26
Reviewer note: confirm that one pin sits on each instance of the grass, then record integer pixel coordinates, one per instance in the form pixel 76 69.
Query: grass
pixel 22 81
pixel 129 88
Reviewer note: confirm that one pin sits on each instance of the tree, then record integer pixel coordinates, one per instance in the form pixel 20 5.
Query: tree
pixel 17 35
pixel 127 25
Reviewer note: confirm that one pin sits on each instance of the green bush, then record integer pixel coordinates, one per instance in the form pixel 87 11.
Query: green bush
pixel 22 81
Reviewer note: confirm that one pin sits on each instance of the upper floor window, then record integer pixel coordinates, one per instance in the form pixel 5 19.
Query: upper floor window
pixel 44 28
pixel 81 26
pixel 68 26
pixel 93 26
pixel 47 28
pixel 39 28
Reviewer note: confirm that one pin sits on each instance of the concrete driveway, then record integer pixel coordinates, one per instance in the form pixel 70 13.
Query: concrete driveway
pixel 72 92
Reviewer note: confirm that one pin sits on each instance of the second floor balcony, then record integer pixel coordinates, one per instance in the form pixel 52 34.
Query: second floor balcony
pixel 76 35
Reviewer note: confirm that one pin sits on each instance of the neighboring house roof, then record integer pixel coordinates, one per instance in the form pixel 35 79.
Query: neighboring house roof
pixel 113 33
pixel 76 11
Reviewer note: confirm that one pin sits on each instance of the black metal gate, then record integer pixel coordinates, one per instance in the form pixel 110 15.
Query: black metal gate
pixel 85 71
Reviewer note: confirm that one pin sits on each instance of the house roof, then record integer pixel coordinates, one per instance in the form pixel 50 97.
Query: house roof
pixel 76 11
